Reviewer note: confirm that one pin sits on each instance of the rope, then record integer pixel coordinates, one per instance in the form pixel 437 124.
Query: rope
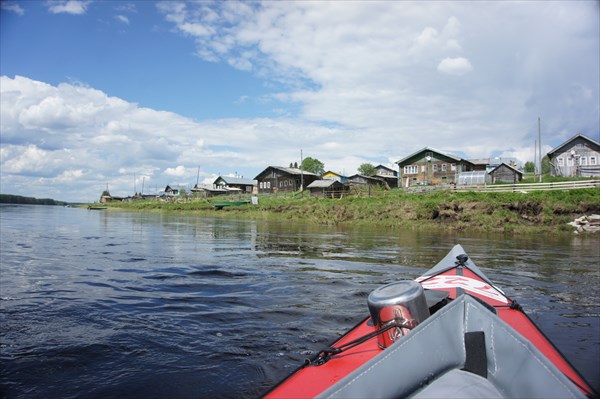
pixel 326 353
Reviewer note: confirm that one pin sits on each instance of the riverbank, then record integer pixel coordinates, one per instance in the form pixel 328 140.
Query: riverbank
pixel 541 211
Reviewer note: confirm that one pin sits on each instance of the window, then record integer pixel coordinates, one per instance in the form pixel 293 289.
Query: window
pixel 435 167
pixel 268 184
pixel 411 169
pixel 561 161
pixel 592 160
pixel 453 167
pixel 423 168
pixel 583 161
pixel 444 167
pixel 570 161
pixel 260 185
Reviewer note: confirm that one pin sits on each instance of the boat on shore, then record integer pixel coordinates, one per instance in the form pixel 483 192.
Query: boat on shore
pixel 225 204
pixel 451 333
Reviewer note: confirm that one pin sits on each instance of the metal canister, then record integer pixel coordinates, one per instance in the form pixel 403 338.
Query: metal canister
pixel 403 303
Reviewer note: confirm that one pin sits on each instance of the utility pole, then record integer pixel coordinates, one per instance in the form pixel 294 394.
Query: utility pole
pixel 535 162
pixel 540 147
pixel 301 173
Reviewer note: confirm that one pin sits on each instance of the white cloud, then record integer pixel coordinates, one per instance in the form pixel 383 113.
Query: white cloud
pixel 122 18
pixel 356 82
pixel 75 7
pixel 178 171
pixel 12 6
pixel 455 66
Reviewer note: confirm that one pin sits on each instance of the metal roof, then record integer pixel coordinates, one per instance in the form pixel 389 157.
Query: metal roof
pixel 425 149
pixel 322 183
pixel 571 139
pixel 235 180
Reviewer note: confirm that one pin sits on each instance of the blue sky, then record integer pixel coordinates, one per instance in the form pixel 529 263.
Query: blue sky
pixel 97 92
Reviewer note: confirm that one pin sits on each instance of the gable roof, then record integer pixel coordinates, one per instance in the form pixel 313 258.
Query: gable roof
pixel 235 180
pixel 429 149
pixel 329 172
pixel 289 171
pixel 323 183
pixel 593 142
pixel 508 166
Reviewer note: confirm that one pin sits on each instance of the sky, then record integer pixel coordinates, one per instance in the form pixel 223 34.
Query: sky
pixel 141 94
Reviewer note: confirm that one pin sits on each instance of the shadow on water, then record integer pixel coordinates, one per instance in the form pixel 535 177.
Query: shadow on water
pixel 152 305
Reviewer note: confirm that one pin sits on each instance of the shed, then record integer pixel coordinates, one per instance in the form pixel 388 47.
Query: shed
pixel 504 173
pixel 370 180
pixel 326 188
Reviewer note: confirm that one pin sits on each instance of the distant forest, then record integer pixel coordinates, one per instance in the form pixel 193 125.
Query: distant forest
pixel 18 199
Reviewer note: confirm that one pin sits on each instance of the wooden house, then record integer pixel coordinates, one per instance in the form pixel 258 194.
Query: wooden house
pixel 430 166
pixel 370 180
pixel 233 183
pixel 280 179
pixel 505 173
pixel 389 175
pixel 329 175
pixel 577 157
pixel 326 188
pixel 174 189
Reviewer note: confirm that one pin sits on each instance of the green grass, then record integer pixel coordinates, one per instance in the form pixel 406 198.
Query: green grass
pixel 481 211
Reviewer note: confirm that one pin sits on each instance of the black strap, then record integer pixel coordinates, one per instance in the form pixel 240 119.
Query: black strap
pixel 325 354
pixel 476 356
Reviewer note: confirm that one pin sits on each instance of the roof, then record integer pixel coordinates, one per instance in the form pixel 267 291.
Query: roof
pixel 508 166
pixel 289 171
pixel 384 167
pixel 481 161
pixel 376 178
pixel 322 183
pixel 594 142
pixel 329 172
pixel 235 180
pixel 426 149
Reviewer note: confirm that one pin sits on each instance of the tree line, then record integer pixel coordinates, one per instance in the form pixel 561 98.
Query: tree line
pixel 313 165
pixel 18 199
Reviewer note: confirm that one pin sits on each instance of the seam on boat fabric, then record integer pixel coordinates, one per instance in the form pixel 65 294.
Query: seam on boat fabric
pixel 537 359
pixel 411 337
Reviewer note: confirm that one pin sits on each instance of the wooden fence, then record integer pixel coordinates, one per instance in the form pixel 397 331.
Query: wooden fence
pixel 499 188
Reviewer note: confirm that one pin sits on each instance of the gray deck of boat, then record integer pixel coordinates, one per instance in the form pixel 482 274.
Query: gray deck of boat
pixel 427 362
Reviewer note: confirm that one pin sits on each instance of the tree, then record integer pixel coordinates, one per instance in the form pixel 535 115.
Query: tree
pixel 546 167
pixel 367 169
pixel 313 165
pixel 529 167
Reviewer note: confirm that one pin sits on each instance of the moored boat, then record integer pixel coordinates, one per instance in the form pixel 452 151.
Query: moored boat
pixel 451 333
pixel 224 204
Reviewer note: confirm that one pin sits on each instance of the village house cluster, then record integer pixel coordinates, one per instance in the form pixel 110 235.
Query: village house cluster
pixel 577 157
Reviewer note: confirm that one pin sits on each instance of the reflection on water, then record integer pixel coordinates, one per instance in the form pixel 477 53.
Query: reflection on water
pixel 97 303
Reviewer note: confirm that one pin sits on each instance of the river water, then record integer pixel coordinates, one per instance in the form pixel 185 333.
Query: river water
pixel 118 304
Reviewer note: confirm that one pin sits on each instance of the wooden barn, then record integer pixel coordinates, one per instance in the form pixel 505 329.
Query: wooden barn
pixel 326 189
pixel 280 179
pixel 504 173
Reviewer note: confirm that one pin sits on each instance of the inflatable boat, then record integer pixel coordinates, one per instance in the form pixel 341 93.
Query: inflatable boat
pixel 451 333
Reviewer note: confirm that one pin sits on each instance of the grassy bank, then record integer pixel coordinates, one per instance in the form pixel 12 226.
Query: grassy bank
pixel 539 211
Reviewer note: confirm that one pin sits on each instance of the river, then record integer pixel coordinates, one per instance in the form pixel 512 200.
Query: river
pixel 129 304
